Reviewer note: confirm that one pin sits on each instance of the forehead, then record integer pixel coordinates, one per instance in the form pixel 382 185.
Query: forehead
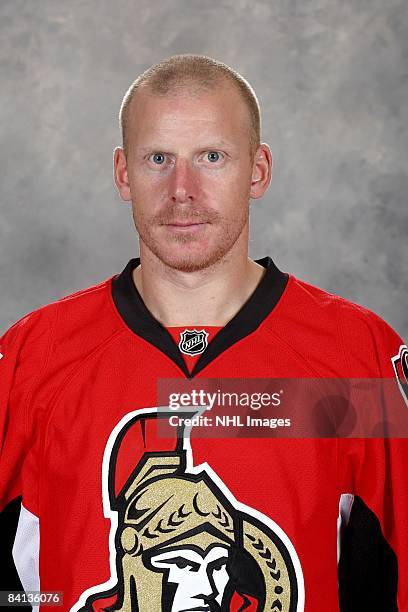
pixel 198 554
pixel 220 112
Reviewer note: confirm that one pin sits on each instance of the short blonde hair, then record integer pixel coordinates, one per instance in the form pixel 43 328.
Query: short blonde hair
pixel 197 72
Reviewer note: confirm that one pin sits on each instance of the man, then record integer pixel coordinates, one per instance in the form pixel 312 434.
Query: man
pixel 103 493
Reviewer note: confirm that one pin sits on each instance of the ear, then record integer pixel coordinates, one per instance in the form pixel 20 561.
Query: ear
pixel 261 171
pixel 121 174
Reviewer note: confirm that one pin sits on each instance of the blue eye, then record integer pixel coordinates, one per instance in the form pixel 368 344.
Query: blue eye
pixel 213 156
pixel 158 158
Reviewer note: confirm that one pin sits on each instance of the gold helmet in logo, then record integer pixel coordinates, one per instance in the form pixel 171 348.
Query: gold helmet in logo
pixel 162 507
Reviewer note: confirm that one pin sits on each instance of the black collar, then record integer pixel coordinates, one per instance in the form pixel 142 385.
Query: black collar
pixel 139 319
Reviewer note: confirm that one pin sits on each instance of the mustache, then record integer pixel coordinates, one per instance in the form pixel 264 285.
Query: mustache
pixel 195 215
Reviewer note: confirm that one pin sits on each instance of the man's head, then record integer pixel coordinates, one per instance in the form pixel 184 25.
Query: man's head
pixel 191 160
pixel 198 577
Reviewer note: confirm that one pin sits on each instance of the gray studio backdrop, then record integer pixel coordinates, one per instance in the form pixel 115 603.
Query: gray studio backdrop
pixel 332 80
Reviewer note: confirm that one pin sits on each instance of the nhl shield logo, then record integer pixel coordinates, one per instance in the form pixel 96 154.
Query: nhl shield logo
pixel 193 341
pixel 400 363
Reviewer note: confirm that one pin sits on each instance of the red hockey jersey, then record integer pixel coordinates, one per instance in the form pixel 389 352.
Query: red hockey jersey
pixel 116 516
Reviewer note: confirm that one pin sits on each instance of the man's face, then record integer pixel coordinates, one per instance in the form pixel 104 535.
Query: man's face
pixel 189 171
pixel 200 578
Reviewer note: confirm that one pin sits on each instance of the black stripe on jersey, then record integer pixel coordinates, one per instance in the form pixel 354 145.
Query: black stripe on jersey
pixel 368 567
pixel 9 579
pixel 139 319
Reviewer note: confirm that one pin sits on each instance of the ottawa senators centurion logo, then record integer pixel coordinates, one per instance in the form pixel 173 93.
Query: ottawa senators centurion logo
pixel 180 541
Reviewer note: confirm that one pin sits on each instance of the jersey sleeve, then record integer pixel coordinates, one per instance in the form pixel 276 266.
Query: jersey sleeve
pixel 376 469
pixel 24 349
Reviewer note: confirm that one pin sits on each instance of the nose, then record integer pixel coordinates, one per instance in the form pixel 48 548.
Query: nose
pixel 203 586
pixel 184 182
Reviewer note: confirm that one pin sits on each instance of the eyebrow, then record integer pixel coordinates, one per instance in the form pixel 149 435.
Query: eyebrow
pixel 219 560
pixel 210 146
pixel 174 560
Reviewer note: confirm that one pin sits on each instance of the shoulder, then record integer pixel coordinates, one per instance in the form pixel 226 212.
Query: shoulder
pixel 363 336
pixel 335 308
pixel 86 310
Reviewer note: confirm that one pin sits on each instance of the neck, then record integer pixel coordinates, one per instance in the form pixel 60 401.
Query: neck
pixel 212 296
